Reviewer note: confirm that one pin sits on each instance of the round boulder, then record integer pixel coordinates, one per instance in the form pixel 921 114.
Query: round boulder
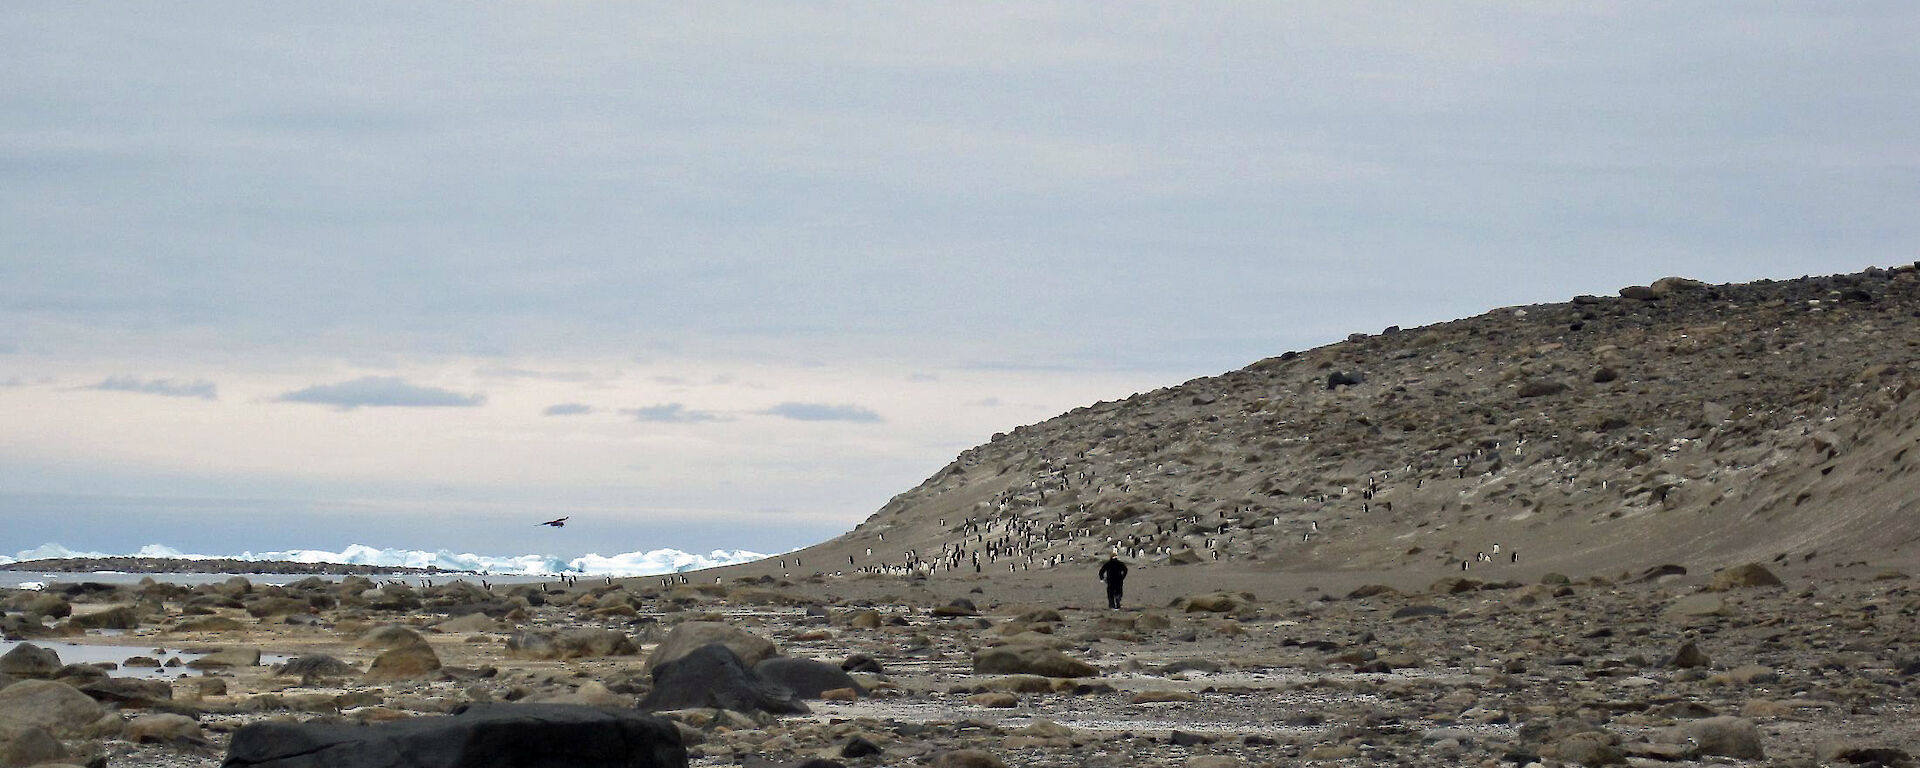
pixel 1740 576
pixel 22 744
pixel 688 636
pixel 404 663
pixel 1029 660
pixel 164 729
pixel 27 660
pixel 57 707
pixel 807 678
pixel 389 636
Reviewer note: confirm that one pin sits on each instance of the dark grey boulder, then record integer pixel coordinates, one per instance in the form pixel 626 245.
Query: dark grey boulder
pixel 129 692
pixel 712 676
pixel 1418 611
pixel 30 661
pixel 477 736
pixel 805 677
pixel 861 662
pixel 316 666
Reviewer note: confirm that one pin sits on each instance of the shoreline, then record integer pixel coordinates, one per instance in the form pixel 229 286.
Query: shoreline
pixel 216 566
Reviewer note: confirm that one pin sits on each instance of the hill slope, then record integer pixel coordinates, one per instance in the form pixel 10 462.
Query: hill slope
pixel 1680 422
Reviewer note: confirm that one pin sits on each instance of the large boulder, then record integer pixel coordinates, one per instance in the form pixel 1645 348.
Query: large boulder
pixel 713 676
pixel 57 707
pixel 209 624
pixel 478 736
pixel 227 658
pixel 1029 660
pixel 477 621
pixel 1695 605
pixel 164 728
pixel 1215 602
pixel 583 643
pixel 1735 737
pixel 390 636
pixel 22 744
pixel 27 660
pixel 315 666
pixel 691 635
pixel 120 617
pixel 1739 576
pixel 129 692
pixel 277 606
pixel 805 677
pixel 49 605
pixel 408 662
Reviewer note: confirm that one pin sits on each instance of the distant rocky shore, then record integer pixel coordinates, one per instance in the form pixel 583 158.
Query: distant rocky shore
pixel 222 565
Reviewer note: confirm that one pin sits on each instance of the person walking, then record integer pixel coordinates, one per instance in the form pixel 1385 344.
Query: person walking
pixel 1114 573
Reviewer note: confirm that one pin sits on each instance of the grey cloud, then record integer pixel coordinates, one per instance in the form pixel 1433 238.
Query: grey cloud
pixel 165 387
pixel 672 413
pixel 986 402
pixel 1464 142
pixel 379 392
pixel 822 412
pixel 568 409
pixel 7 348
pixel 527 373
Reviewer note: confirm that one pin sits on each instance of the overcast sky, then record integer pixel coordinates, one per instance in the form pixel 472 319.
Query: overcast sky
pixel 278 275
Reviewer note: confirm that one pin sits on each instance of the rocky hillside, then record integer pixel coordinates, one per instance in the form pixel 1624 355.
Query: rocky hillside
pixel 1676 422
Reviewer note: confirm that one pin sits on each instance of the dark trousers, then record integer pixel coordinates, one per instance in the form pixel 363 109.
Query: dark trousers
pixel 1113 594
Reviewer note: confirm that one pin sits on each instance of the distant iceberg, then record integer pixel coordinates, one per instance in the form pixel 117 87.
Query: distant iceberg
pixel 626 564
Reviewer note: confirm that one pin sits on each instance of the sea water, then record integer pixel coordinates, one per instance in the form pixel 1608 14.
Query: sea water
pixel 117 655
pixel 495 568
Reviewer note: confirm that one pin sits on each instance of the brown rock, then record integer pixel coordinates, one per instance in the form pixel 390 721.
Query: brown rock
pixel 966 758
pixel 1031 660
pixel 1739 576
pixel 404 663
pixel 23 744
pixel 57 707
pixel 687 636
pixel 30 661
pixel 1157 696
pixel 994 700
pixel 163 729
pixel 1689 657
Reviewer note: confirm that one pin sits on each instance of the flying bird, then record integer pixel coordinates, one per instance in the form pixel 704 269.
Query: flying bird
pixel 559 523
